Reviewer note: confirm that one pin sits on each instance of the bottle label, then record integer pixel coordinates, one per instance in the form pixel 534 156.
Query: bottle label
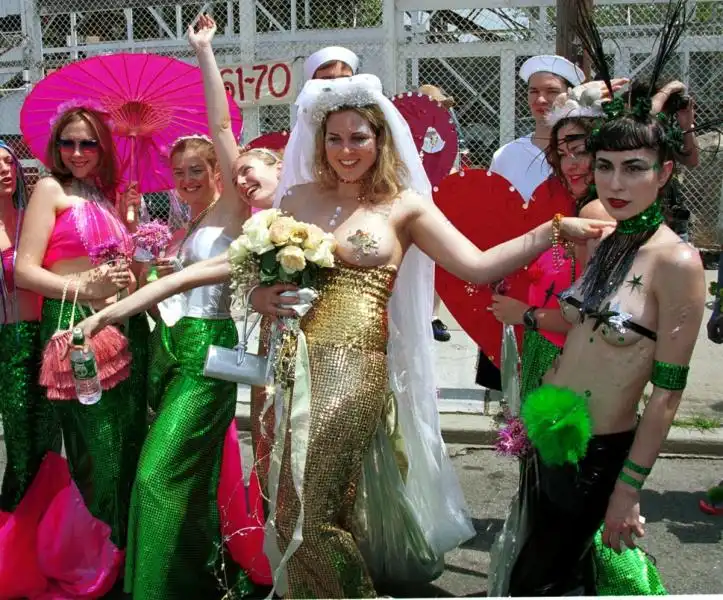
pixel 84 369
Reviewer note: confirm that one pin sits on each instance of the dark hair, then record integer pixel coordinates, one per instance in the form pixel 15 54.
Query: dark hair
pixel 106 170
pixel 552 152
pixel 674 103
pixel 630 132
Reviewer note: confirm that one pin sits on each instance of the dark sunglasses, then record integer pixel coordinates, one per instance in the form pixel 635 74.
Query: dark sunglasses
pixel 83 146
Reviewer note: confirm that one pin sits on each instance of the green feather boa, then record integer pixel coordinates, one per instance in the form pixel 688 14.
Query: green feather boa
pixel 558 424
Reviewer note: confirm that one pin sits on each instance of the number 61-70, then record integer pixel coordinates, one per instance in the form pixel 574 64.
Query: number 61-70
pixel 264 76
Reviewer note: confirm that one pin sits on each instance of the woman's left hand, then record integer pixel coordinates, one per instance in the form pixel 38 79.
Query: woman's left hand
pixel 508 310
pixel 622 519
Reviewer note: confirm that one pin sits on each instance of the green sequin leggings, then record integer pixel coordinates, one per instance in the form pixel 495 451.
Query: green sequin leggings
pixel 175 549
pixel 103 441
pixel 30 424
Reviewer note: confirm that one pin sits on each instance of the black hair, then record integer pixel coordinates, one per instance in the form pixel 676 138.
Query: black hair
pixel 629 132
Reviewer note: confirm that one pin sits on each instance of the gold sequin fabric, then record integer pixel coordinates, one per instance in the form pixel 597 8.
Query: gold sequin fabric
pixel 347 337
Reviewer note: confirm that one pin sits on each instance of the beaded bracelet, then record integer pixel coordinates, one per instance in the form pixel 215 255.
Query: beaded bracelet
pixel 631 481
pixel 556 236
pixel 636 468
pixel 669 376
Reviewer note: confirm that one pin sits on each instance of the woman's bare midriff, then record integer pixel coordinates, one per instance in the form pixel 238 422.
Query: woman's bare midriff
pixel 611 377
pixel 81 265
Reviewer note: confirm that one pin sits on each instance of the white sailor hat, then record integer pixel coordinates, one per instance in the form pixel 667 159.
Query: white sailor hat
pixel 557 65
pixel 327 55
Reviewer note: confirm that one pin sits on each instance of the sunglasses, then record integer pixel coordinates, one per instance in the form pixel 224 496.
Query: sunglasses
pixel 82 146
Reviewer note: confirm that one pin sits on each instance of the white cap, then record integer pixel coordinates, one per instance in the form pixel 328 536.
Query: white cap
pixel 557 65
pixel 327 55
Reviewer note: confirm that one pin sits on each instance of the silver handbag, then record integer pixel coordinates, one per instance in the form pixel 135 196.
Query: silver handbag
pixel 237 364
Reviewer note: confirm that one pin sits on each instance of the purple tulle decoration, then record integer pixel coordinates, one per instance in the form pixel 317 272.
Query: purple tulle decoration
pixel 152 237
pixel 106 252
pixel 512 439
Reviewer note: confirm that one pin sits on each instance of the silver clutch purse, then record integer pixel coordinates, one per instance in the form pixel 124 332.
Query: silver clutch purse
pixel 237 364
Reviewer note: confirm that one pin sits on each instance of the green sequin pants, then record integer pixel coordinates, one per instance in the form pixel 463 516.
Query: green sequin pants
pixel 175 549
pixel 630 573
pixel 103 441
pixel 30 425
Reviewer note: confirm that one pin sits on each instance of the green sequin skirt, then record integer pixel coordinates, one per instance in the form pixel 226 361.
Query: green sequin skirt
pixel 103 441
pixel 30 424
pixel 631 573
pixel 538 355
pixel 175 550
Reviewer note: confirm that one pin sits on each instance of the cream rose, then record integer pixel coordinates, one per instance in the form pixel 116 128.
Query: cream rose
pixel 280 230
pixel 262 219
pixel 323 254
pixel 291 259
pixel 314 237
pixel 299 233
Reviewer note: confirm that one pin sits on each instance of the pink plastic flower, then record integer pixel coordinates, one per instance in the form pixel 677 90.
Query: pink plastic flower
pixel 512 439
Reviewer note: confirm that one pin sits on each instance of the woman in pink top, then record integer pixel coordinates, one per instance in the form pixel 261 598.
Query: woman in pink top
pixel 30 425
pixel 74 245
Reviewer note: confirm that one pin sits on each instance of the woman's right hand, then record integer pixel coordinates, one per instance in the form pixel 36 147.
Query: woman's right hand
pixel 90 326
pixel 267 300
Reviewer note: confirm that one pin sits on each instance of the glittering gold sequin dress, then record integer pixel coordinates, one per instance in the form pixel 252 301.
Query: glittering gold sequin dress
pixel 346 332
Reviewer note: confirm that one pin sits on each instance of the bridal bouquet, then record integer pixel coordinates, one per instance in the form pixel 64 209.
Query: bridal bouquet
pixel 273 248
pixel 276 248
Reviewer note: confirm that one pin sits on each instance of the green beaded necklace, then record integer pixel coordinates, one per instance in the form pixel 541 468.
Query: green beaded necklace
pixel 648 220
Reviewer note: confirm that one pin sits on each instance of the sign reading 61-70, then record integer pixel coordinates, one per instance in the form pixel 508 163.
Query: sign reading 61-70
pixel 261 84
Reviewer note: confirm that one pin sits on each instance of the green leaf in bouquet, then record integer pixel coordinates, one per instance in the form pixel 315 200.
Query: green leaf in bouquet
pixel 267 261
pixel 266 278
pixel 310 275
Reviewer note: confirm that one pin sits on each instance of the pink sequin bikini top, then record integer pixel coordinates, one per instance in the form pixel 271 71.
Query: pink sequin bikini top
pixel 8 268
pixel 64 242
pixel 84 230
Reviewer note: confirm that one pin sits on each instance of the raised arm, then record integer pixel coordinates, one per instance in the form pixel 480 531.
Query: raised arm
pixel 95 284
pixel 207 272
pixel 442 242
pixel 679 289
pixel 219 119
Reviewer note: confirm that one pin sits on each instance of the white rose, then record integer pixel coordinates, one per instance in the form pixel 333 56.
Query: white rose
pixel 239 248
pixel 291 259
pixel 259 239
pixel 323 254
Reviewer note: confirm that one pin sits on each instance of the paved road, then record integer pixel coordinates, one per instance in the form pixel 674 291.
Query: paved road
pixel 685 542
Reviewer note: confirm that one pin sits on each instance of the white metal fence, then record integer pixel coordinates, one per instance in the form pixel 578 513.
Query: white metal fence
pixel 470 48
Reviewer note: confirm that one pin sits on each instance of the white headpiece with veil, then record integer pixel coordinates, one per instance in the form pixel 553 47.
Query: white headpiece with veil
pixel 432 484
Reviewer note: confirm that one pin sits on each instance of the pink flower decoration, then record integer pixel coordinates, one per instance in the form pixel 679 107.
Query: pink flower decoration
pixel 81 103
pixel 512 439
pixel 106 252
pixel 153 237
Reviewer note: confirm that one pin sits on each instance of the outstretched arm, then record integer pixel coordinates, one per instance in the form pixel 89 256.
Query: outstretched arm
pixel 443 243
pixel 219 118
pixel 207 272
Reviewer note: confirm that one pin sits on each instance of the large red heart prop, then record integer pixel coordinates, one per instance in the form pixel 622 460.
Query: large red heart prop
pixel 422 113
pixel 488 210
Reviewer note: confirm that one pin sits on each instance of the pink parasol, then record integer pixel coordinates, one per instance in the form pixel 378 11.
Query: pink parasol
pixel 150 102
pixel 433 131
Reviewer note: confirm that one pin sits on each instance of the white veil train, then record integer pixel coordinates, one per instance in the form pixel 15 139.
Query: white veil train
pixel 431 486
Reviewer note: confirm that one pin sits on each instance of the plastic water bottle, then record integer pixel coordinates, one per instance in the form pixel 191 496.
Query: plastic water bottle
pixel 85 370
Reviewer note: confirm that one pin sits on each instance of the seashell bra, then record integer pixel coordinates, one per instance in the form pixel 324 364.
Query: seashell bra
pixel 615 327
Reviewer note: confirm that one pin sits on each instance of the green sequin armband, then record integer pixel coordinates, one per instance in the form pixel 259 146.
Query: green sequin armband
pixel 669 376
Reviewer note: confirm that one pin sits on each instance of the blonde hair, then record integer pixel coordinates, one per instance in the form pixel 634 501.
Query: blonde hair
pixel 203 147
pixel 265 155
pixel 107 168
pixel 383 182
